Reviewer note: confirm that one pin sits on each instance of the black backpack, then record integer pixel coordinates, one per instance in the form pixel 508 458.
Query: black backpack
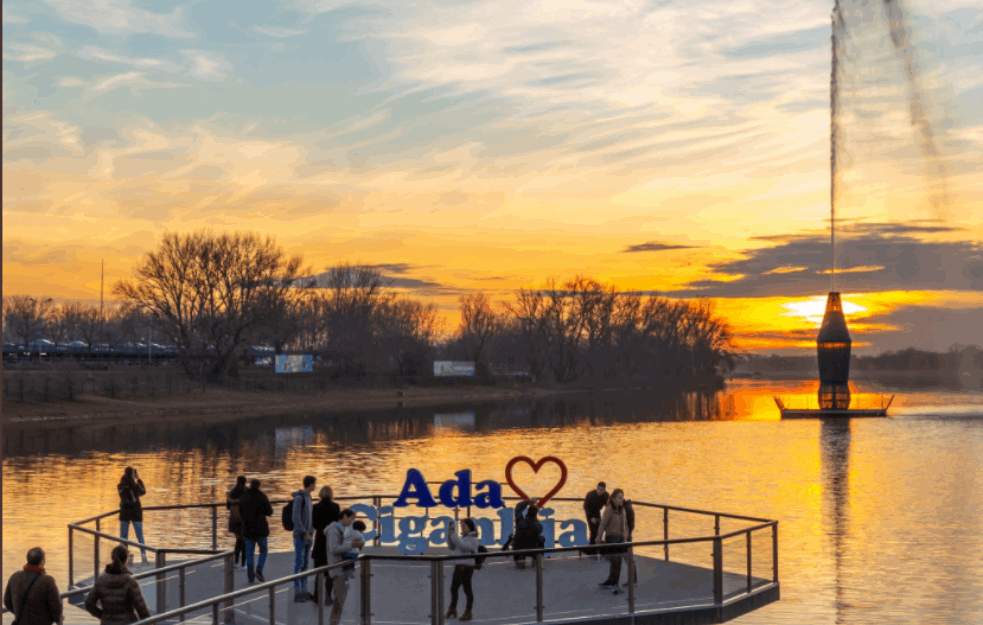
pixel 287 516
pixel 127 499
pixel 480 560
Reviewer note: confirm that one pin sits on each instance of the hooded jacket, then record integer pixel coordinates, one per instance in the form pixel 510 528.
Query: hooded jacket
pixel 232 505
pixel 302 514
pixel 615 523
pixel 116 598
pixel 43 605
pixel 466 545
pixel 129 512
pixel 337 546
pixel 254 506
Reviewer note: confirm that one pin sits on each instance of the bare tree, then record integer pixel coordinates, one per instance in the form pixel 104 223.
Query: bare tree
pixel 209 293
pixel 479 324
pixel 355 295
pixel 89 325
pixel 27 315
pixel 527 320
pixel 409 329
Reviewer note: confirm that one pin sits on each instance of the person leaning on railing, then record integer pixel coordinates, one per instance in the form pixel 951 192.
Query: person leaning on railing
pixel 32 594
pixel 116 598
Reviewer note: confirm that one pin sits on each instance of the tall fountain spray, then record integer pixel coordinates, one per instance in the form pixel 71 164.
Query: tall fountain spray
pixel 833 343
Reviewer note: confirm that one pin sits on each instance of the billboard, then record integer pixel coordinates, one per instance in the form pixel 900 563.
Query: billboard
pixel 459 420
pixel 294 363
pixel 453 368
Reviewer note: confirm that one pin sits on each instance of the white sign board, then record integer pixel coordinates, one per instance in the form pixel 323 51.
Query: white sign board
pixel 453 368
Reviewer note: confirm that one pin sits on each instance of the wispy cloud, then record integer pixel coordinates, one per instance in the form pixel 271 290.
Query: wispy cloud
pixel 121 17
pixel 29 53
pixel 656 246
pixel 279 32
pixel 94 53
pixel 210 66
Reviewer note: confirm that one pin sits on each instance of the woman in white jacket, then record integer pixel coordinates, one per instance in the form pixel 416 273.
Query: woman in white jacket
pixel 464 545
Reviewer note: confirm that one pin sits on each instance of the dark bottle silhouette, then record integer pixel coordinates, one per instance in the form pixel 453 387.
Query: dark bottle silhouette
pixel 833 350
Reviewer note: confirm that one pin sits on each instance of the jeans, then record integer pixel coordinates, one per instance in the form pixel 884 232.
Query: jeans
pixel 250 545
pixel 124 533
pixel 302 552
pixel 462 577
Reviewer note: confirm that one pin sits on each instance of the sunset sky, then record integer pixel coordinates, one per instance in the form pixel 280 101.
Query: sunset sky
pixel 678 148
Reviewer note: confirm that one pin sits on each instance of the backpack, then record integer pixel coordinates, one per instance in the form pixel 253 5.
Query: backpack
pixel 480 560
pixel 287 516
pixel 127 499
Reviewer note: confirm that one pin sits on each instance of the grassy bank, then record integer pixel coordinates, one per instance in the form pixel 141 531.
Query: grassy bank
pixel 217 404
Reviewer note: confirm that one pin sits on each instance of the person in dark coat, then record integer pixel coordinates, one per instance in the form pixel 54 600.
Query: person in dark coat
pixel 326 512
pixel 528 530
pixel 116 599
pixel 235 521
pixel 131 489
pixel 594 504
pixel 254 507
pixel 32 595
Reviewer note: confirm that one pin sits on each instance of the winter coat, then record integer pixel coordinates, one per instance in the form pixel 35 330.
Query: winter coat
pixel 466 545
pixel 323 513
pixel 43 605
pixel 594 504
pixel 232 505
pixel 254 506
pixel 337 546
pixel 120 598
pixel 614 522
pixel 130 512
pixel 302 514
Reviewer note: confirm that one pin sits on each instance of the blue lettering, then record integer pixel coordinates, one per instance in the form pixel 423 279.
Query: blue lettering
pixel 463 484
pixel 439 536
pixel 486 531
pixel 577 536
pixel 549 525
pixel 387 521
pixel 370 514
pixel 507 517
pixel 491 499
pixel 409 544
pixel 415 486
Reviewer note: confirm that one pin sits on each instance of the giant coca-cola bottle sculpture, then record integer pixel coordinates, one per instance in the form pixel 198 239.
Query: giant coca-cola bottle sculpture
pixel 833 350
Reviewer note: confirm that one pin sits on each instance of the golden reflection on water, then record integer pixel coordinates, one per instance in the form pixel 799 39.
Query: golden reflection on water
pixel 875 514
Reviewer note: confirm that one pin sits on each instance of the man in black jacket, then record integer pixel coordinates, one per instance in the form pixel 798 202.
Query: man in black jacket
pixel 594 504
pixel 32 595
pixel 254 506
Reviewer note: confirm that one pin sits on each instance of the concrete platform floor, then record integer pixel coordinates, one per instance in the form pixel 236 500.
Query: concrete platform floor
pixel 400 592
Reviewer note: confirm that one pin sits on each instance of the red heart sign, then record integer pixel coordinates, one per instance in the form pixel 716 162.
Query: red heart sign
pixel 535 467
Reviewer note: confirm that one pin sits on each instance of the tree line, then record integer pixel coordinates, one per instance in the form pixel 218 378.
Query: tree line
pixel 213 295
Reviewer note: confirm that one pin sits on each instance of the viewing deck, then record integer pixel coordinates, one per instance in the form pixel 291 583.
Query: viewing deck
pixel 694 579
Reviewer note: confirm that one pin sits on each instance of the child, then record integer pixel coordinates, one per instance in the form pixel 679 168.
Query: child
pixel 353 532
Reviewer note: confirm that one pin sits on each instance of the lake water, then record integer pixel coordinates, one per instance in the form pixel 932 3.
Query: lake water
pixel 881 520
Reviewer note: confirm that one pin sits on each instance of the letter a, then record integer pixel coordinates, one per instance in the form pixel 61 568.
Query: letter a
pixel 415 486
pixel 491 499
pixel 463 484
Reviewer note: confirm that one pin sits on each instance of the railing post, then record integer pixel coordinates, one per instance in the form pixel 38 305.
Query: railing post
pixel 716 525
pixel 435 615
pixel 665 531
pixel 718 571
pixel 181 587
pixel 631 580
pixel 319 580
pixel 71 558
pixel 95 554
pixel 160 561
pixel 367 591
pixel 215 526
pixel 376 524
pixel 774 552
pixel 539 587
pixel 230 586
pixel 749 563
pixel 273 605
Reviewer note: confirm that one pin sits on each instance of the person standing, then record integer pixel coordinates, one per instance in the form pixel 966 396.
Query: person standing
pixel 528 531
pixel 116 599
pixel 131 489
pixel 235 521
pixel 254 507
pixel 337 548
pixel 614 529
pixel 465 545
pixel 324 513
pixel 594 504
pixel 32 595
pixel 302 518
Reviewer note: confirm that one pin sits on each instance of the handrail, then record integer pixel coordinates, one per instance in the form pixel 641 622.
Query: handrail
pixel 115 539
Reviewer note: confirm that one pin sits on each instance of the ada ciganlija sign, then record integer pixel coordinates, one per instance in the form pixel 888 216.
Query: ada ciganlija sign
pixel 413 534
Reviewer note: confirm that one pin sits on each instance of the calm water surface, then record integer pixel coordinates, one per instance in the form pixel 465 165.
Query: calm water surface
pixel 881 520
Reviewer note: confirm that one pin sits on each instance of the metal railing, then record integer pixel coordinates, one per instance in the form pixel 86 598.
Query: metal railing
pixel 161 569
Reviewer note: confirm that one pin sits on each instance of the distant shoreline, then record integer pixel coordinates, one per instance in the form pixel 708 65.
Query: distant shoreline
pixel 217 404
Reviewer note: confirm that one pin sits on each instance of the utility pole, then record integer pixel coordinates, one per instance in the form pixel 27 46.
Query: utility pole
pixel 102 281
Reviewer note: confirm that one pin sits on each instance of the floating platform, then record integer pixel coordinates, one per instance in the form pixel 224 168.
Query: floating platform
pixel 821 413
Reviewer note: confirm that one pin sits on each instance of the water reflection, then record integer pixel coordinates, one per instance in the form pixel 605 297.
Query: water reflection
pixel 834 441
pixel 268 438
